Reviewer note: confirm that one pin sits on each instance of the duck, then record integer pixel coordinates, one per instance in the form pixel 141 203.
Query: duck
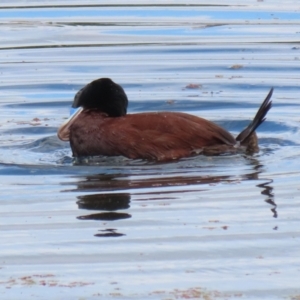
pixel 102 126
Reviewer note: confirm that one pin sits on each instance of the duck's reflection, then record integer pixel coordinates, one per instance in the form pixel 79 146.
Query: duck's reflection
pixel 150 186
pixel 110 183
pixel 110 204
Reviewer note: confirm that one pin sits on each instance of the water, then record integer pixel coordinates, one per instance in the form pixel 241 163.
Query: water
pixel 111 228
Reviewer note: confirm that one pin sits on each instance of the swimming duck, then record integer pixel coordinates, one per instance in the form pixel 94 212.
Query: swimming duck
pixel 102 127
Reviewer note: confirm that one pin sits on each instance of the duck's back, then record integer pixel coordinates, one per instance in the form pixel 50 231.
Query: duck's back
pixel 157 135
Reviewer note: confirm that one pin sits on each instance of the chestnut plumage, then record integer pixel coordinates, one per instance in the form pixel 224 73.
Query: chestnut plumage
pixel 103 127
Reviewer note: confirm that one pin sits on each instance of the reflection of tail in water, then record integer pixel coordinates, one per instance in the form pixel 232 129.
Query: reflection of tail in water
pixel 268 191
pixel 109 203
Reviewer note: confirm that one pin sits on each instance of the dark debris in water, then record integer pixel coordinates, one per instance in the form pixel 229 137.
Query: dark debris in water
pixel 196 293
pixel 193 86
pixel 42 280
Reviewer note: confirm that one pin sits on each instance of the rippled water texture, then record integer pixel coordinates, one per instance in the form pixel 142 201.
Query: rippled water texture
pixel 110 228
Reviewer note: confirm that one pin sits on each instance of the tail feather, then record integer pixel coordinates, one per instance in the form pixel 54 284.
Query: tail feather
pixel 258 119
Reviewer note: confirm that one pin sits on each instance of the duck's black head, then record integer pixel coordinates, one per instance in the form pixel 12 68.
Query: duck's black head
pixel 104 95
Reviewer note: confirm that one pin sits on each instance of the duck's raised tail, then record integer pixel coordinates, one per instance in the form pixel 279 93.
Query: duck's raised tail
pixel 258 119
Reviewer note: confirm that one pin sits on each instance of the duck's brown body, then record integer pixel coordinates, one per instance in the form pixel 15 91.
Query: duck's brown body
pixel 102 127
pixel 154 136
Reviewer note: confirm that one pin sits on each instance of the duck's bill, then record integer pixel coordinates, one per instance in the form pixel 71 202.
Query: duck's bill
pixel 63 132
pixel 73 110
